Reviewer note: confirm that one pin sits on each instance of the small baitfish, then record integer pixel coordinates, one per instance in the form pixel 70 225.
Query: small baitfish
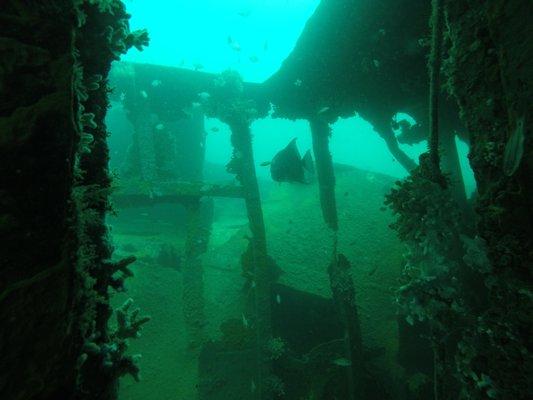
pixel 204 96
pixel 514 149
pixel 342 362
pixel 235 46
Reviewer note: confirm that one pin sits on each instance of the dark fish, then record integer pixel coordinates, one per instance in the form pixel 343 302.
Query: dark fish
pixel 288 166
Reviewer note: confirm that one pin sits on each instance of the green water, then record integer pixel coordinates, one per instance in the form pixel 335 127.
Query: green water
pixel 187 35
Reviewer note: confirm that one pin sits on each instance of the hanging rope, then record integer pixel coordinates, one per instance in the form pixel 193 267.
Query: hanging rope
pixel 434 83
pixel 434 92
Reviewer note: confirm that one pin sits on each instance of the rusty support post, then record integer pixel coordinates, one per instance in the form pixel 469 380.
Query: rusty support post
pixel 142 157
pixel 321 132
pixel 246 174
pixel 394 148
pixel 434 83
pixel 199 219
pixel 343 291
pixel 199 216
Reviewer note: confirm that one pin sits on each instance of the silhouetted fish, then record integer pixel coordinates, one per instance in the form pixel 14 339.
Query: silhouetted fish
pixel 288 166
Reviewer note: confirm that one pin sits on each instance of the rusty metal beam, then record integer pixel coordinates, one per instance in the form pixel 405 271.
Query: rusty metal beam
pixel 176 192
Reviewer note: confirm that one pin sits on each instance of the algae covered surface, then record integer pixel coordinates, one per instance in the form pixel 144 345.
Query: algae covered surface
pixel 275 200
